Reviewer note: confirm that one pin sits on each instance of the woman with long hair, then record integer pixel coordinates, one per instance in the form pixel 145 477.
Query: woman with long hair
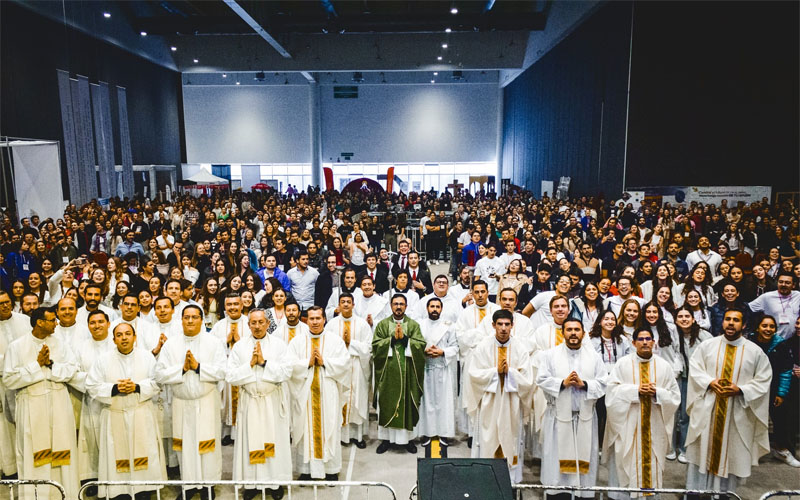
pixel 234 285
pixel 588 306
pixel 248 302
pixel 341 254
pixel 221 271
pixel 47 268
pixel 146 306
pixel 699 279
pixel 208 298
pixel 630 317
pixel 189 271
pixel 252 283
pixel 18 289
pixel 277 313
pixel 37 286
pixel 757 284
pixel 122 289
pixel 661 277
pixel 694 302
pixel 514 277
pixel 270 285
pixel 665 335
pixel 611 343
pixel 690 335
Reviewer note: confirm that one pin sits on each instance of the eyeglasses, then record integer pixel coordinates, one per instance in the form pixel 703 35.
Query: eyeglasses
pixel 644 339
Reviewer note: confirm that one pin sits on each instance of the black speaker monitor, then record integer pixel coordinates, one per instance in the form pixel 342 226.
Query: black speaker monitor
pixel 463 479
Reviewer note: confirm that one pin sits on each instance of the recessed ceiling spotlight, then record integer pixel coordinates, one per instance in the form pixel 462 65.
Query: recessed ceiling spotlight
pixel 454 11
pixel 107 14
pixel 173 48
pixel 433 81
pixel 143 33
pixel 439 58
pixel 447 30
pixel 444 45
pixel 224 75
pixel 196 61
pixel 435 73
pixel 238 83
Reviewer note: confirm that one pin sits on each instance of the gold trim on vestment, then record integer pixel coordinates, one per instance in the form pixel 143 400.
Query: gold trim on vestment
pixel 123 465
pixel 177 444
pixel 721 411
pixel 646 402
pixel 60 458
pixel 207 446
pixel 502 355
pixel 568 466
pixel 316 407
pixel 42 457
pixel 140 463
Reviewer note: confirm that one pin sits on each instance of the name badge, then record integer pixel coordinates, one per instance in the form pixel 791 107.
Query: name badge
pixel 783 318
pixel 25 267
pixel 65 260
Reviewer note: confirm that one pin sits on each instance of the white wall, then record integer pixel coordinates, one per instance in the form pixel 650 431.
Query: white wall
pixel 387 123
pixel 246 124
pixel 412 123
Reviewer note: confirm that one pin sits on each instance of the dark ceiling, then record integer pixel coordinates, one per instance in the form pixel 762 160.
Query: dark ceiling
pixel 188 17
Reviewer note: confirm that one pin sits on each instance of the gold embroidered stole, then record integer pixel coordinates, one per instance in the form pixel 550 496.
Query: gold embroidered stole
pixel 234 388
pixel 291 332
pixel 721 411
pixel 316 406
pixel 559 335
pixel 502 355
pixel 646 407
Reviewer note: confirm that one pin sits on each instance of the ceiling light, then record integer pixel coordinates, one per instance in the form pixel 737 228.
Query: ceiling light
pixel 196 61
pixel 454 11
pixel 173 48
pixel 433 81
pixel 238 83
pixel 444 45
pixel 447 30
pixel 435 73
pixel 107 14
pixel 143 33
pixel 439 58
pixel 224 75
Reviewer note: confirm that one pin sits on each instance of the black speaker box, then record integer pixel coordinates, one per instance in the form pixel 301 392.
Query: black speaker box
pixel 463 479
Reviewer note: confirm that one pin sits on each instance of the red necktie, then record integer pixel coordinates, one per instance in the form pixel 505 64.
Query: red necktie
pixel 372 275
pixel 414 277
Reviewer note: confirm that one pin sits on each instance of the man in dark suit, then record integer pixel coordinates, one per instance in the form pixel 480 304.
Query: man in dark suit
pixel 400 260
pixel 328 279
pixel 379 274
pixel 420 275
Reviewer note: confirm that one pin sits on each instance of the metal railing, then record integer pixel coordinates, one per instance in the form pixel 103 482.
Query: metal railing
pixel 519 490
pixel 28 483
pixel 296 488
pixel 780 493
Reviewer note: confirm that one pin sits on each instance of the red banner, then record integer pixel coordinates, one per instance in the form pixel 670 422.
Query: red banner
pixel 389 179
pixel 328 178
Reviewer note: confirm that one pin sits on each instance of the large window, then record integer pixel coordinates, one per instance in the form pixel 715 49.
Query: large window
pixel 408 176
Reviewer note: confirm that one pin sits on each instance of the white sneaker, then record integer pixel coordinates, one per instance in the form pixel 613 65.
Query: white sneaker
pixel 682 458
pixel 786 457
pixel 672 455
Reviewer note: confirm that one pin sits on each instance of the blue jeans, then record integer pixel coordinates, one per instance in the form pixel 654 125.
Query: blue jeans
pixel 681 420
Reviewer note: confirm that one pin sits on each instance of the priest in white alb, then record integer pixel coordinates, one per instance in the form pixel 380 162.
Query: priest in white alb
pixel 192 365
pixel 319 374
pixel 292 326
pixel 437 410
pixel 230 330
pixel 147 332
pixel 451 307
pixel 86 354
pixel 12 325
pixel 728 405
pixel 641 398
pixel 129 439
pixel 469 335
pixel 260 366
pixel 369 304
pixel 502 382
pixel 38 366
pixel 357 336
pixel 168 325
pixel 573 379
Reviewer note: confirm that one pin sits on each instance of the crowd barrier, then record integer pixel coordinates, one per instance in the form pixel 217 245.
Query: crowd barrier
pixel 781 494
pixel 520 489
pixel 11 484
pixel 294 489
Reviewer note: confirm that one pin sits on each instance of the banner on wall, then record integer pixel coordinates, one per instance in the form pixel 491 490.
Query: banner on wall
pixel 390 179
pixel 328 178
pixel 684 195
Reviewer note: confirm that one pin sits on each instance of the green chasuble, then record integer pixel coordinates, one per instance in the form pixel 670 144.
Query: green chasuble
pixel 398 379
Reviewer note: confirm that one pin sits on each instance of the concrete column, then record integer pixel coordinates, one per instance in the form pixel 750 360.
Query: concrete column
pixel 153 183
pixel 315 125
pixel 499 175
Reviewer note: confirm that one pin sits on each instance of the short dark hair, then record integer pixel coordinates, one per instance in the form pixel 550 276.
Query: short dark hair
pixel 39 313
pixel 502 314
pixel 432 299
pixel 162 297
pixel 572 320
pixel 479 283
pixel 96 312
pixel 401 296
pixel 371 254
pixel 192 306
pixel 93 285
pixel 345 295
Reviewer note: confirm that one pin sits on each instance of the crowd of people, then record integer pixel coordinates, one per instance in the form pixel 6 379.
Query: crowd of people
pixel 138 340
